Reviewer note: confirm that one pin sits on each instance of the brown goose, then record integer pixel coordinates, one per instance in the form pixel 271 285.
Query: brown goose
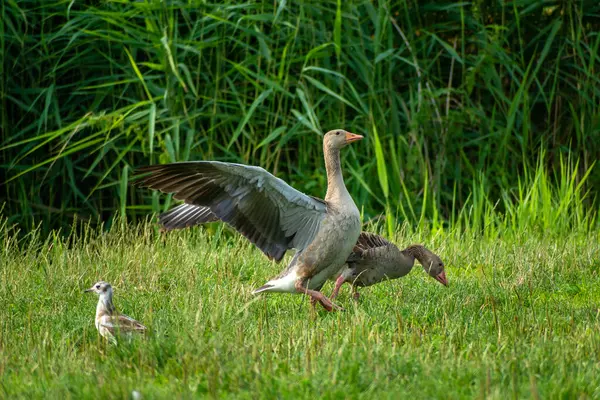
pixel 270 213
pixel 374 260
pixel 109 321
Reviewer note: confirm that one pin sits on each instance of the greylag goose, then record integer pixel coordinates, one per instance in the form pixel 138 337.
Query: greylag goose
pixel 374 260
pixel 109 322
pixel 270 213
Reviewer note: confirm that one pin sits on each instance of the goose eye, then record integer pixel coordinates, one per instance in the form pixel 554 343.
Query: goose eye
pixel 97 286
pixel 337 133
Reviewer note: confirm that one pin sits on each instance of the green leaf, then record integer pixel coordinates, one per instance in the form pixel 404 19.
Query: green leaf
pixel 446 46
pixel 257 102
pixel 138 73
pixel 170 148
pixel 330 92
pixel 123 192
pixel 337 30
pixel 272 136
pixel 151 128
pixel 381 166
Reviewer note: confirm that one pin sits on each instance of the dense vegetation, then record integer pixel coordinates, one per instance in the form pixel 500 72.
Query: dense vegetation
pixel 453 97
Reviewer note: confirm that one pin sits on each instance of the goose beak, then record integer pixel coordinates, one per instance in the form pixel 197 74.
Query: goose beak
pixel 351 137
pixel 88 290
pixel 441 278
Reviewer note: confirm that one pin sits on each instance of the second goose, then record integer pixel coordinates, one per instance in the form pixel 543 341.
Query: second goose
pixel 374 260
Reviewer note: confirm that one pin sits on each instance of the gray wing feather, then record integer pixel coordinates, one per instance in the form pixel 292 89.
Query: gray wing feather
pixel 186 215
pixel 365 245
pixel 266 210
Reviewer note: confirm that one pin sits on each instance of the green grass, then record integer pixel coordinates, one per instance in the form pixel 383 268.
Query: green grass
pixel 519 319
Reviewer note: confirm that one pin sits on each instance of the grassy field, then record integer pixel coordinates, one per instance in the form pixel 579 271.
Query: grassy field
pixel 519 320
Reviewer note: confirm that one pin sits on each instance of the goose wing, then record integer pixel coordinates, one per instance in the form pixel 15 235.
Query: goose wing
pixel 266 210
pixel 365 246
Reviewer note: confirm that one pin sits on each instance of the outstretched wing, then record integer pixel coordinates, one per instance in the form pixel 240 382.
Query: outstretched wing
pixel 266 210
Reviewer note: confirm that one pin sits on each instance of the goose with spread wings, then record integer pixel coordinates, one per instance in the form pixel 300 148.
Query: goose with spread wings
pixel 270 213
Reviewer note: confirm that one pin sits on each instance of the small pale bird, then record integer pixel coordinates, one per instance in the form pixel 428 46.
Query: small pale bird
pixel 375 260
pixel 109 321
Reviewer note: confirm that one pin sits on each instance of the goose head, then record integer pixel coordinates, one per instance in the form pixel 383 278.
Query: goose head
pixel 434 266
pixel 339 138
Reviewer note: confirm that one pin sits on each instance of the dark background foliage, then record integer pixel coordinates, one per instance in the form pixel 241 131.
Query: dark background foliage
pixel 450 96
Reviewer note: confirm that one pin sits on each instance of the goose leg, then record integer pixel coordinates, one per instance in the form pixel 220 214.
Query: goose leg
pixel 338 284
pixel 316 296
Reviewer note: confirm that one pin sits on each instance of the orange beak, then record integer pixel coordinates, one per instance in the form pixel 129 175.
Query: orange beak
pixel 441 278
pixel 351 137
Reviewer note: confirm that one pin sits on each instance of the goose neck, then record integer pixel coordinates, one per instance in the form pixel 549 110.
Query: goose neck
pixel 336 189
